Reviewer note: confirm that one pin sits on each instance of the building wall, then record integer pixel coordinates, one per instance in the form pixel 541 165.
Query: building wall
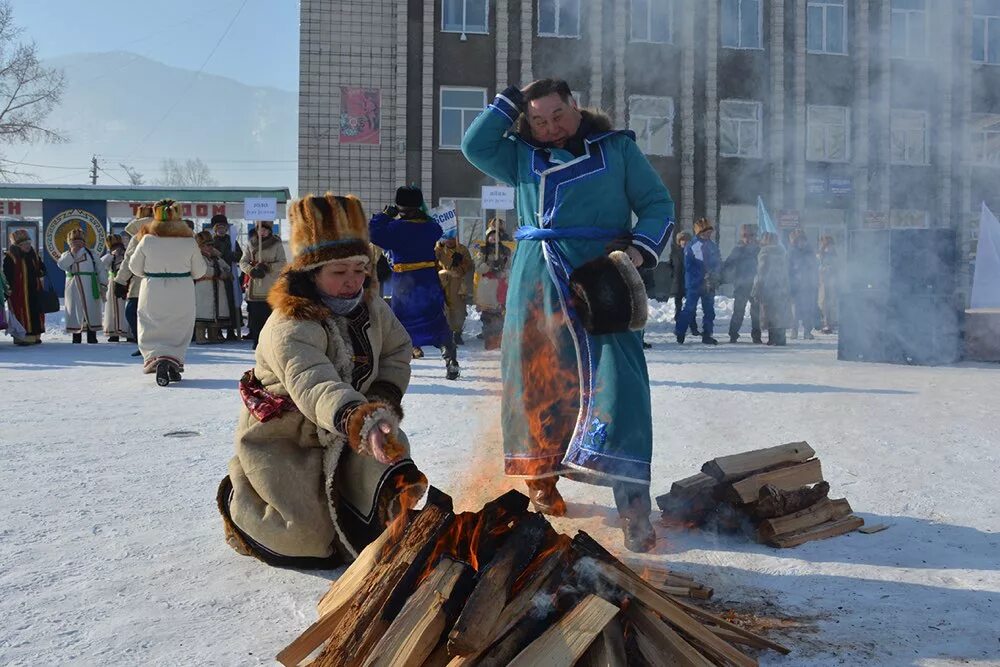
pixel 605 67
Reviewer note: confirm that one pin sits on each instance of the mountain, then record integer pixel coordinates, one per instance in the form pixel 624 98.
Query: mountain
pixel 128 108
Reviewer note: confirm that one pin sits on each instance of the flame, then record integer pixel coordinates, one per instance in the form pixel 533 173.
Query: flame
pixel 551 387
pixel 405 497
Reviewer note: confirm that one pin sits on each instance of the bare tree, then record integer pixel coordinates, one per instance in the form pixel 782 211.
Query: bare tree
pixel 28 90
pixel 135 177
pixel 190 173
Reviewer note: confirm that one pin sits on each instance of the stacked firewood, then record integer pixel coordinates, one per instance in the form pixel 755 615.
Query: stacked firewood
pixel 776 494
pixel 502 587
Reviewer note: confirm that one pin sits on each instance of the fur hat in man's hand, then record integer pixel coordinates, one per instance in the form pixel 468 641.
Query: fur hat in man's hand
pixel 609 296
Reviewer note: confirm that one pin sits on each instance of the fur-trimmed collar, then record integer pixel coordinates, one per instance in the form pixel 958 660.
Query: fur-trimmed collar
pixel 170 229
pixel 265 244
pixel 302 308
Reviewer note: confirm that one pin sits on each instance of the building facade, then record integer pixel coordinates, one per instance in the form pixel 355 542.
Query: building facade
pixel 838 114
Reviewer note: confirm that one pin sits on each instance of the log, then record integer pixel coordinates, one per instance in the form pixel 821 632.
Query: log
pixel 411 638
pixel 474 628
pixel 820 532
pixel 608 649
pixel 786 479
pixel 658 642
pixel 709 617
pixel 565 642
pixel 671 582
pixel 875 528
pixel 733 638
pixel 815 514
pixel 691 486
pixel 364 622
pixel 705 640
pixel 737 466
pixel 333 605
pixel 690 499
pixel 772 502
pixel 502 510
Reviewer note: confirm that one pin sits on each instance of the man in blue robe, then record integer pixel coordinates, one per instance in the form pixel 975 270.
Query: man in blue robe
pixel 575 403
pixel 409 235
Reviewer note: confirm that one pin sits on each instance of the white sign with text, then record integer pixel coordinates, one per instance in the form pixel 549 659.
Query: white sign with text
pixel 446 217
pixel 260 208
pixel 498 197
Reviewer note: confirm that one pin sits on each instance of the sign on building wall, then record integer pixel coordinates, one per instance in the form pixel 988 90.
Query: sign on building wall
pixel 498 197
pixel 788 219
pixel 360 115
pixel 876 220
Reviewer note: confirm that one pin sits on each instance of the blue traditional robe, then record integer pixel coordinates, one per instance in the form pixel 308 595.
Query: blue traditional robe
pixel 417 296
pixel 572 403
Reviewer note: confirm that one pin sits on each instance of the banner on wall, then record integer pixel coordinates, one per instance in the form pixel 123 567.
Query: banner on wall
pixel 60 217
pixel 360 115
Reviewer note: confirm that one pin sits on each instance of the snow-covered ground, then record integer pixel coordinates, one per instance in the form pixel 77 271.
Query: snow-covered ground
pixel 111 549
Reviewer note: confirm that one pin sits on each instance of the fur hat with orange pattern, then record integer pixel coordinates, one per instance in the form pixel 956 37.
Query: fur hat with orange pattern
pixel 326 229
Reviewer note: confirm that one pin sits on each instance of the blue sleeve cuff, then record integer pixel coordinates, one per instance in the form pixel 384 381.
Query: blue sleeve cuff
pixel 653 246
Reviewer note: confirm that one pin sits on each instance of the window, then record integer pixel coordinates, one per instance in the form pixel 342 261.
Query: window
pixel 652 21
pixel 459 107
pixel 908 137
pixel 909 28
pixel 741 24
pixel 465 16
pixel 828 134
pixel 739 128
pixel 558 18
pixel 986 31
pixel 652 119
pixel 826 26
pixel 984 142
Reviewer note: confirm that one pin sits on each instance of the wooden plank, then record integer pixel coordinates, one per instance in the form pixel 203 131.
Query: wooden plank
pixel 333 605
pixel 875 528
pixel 815 514
pixel 786 479
pixel 820 532
pixel 660 642
pixel 698 612
pixel 568 639
pixel 364 622
pixel 737 466
pixel 474 628
pixel 733 638
pixel 772 502
pixel 412 636
pixel 608 649
pixel 666 607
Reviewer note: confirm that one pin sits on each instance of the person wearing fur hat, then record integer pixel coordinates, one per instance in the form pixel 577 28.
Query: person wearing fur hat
pixel 231 253
pixel 702 275
pixel 576 389
pixel 127 286
pixel 212 313
pixel 418 300
pixel 740 269
pixel 321 463
pixel 168 260
pixel 454 265
pixel 492 282
pixel 115 324
pixel 86 283
pixel 24 269
pixel 771 288
pixel 262 262
pixel 803 276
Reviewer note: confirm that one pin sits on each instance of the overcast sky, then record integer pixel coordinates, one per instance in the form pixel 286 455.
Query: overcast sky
pixel 261 47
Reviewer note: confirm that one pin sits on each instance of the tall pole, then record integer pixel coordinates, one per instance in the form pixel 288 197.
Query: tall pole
pixel 93 170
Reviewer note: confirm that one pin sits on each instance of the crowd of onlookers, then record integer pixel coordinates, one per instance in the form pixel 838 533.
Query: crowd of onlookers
pixel 786 289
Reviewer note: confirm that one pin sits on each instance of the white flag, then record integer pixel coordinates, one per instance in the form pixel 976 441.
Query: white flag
pixel 986 279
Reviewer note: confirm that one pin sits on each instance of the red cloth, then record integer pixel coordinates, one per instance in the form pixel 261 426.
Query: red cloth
pixel 261 403
pixel 23 272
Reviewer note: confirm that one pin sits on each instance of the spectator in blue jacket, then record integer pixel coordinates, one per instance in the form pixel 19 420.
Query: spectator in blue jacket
pixel 702 273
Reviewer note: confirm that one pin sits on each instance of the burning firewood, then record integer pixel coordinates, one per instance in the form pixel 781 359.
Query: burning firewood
pixel 501 587
pixel 778 491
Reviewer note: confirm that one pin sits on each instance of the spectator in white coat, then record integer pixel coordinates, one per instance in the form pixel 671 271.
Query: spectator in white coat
pixel 86 283
pixel 115 323
pixel 169 261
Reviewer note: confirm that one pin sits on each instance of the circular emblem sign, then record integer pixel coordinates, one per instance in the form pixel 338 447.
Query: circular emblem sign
pixel 59 227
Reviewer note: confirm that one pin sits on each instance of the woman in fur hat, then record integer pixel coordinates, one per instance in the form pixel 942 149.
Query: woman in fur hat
pixel 321 465
pixel 212 313
pixel 115 324
pixel 86 283
pixel 23 269
pixel 262 262
pixel 771 290
pixel 168 261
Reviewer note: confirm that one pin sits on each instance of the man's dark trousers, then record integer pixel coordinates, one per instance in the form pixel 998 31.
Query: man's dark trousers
pixel 741 298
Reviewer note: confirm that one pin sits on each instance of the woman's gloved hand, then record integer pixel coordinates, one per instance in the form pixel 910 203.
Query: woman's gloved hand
pixel 385 448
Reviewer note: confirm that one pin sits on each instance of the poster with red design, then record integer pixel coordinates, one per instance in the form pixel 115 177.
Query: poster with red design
pixel 360 115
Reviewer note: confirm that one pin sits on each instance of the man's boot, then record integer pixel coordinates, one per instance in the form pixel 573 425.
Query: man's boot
pixel 634 507
pixel 112 339
pixel 200 334
pixel 92 337
pixel 707 339
pixel 450 356
pixel 77 338
pixel 545 497
pixel 755 336
pixel 231 335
